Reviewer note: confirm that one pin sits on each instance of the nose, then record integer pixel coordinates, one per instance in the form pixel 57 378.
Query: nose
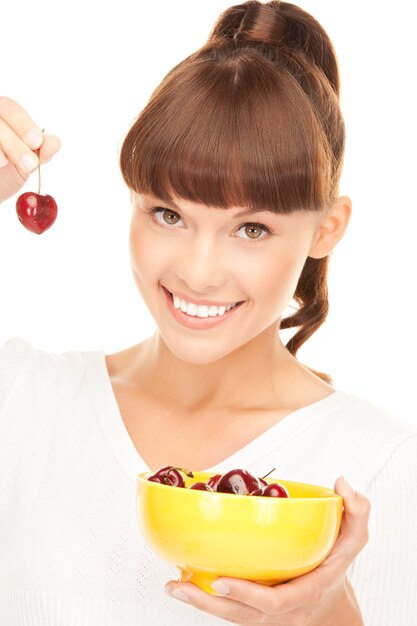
pixel 201 266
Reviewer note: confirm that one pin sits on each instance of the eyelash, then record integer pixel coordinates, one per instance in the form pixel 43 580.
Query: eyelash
pixel 266 230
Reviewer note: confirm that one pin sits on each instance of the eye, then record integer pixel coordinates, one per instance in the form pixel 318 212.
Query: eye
pixel 165 217
pixel 168 217
pixel 254 231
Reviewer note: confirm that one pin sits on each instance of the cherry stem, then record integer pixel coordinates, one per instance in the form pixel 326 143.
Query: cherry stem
pixel 39 166
pixel 186 471
pixel 269 472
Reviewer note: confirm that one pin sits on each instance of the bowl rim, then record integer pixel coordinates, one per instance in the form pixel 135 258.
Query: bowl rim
pixel 332 495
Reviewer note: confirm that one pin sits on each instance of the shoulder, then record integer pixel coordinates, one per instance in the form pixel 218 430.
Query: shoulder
pixel 13 349
pixel 17 349
pixel 12 355
pixel 371 436
pixel 27 370
pixel 367 418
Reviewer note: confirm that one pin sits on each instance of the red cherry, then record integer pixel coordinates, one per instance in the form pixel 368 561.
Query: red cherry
pixel 213 481
pixel 170 475
pixel 162 471
pixel 201 487
pixel 37 213
pixel 262 481
pixel 156 479
pixel 173 477
pixel 238 481
pixel 275 490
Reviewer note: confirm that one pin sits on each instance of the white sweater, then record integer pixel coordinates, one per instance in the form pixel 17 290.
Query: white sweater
pixel 71 553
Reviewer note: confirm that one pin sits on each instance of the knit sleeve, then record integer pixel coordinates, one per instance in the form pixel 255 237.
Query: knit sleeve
pixel 11 358
pixel 384 575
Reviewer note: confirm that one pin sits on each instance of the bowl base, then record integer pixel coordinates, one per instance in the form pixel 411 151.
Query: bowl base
pixel 203 580
pixel 200 579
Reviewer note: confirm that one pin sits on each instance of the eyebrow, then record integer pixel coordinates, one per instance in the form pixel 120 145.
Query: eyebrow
pixel 241 214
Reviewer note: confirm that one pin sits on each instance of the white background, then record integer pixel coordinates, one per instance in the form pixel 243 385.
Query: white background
pixel 84 70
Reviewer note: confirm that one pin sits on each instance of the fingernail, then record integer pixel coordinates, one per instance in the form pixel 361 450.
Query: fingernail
pixel 34 138
pixel 180 595
pixel 3 159
pixel 347 486
pixel 220 588
pixel 29 161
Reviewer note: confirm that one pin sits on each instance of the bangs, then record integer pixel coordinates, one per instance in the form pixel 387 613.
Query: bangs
pixel 239 132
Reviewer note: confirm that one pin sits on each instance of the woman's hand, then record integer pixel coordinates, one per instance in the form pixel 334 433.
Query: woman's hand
pixel 15 124
pixel 323 597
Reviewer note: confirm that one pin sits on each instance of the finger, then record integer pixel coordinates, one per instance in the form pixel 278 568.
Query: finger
pixel 20 122
pixel 18 153
pixel 15 149
pixel 352 538
pixel 228 609
pixel 248 601
pixel 50 146
pixel 354 534
pixel 275 600
pixel 3 159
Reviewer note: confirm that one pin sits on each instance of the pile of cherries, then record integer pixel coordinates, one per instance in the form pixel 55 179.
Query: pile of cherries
pixel 238 481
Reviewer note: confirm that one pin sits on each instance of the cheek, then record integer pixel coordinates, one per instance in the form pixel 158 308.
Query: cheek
pixel 144 254
pixel 275 279
pixel 149 262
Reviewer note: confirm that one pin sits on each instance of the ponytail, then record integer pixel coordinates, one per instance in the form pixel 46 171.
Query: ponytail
pixel 312 298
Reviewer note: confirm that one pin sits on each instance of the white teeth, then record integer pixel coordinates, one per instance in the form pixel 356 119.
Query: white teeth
pixel 192 309
pixel 200 310
pixel 212 311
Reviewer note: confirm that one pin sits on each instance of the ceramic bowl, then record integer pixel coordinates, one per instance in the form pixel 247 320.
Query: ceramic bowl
pixel 263 539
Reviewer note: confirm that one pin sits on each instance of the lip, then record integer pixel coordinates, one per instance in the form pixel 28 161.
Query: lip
pixel 194 322
pixel 183 296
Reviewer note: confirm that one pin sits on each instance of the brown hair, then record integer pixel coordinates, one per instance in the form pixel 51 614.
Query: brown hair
pixel 250 119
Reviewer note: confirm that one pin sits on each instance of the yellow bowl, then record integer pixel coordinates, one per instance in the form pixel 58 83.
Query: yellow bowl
pixel 263 539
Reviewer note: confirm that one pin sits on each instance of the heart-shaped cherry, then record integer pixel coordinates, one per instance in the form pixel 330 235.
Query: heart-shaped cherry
pixel 37 213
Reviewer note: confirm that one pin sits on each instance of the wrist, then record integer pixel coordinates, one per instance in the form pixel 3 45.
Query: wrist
pixel 345 609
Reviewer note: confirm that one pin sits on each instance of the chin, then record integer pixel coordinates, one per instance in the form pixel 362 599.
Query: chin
pixel 195 353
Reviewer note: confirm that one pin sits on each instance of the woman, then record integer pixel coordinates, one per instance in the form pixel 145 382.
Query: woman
pixel 233 168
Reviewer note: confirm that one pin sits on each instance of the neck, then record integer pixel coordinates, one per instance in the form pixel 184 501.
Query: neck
pixel 251 377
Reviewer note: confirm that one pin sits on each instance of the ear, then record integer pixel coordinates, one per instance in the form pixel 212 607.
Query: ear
pixel 331 228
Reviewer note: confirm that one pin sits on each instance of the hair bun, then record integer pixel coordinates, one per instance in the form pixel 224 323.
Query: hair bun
pixel 261 23
pixel 280 24
pixel 251 21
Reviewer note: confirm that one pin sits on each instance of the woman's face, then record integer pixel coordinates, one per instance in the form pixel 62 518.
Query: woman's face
pixel 207 256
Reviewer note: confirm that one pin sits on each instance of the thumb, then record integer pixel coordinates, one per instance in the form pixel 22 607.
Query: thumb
pixel 353 534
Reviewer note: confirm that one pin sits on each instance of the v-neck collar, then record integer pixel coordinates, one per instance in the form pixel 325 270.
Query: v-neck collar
pixel 128 457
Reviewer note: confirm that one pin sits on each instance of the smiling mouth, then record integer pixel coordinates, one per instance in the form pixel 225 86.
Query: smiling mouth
pixel 192 309
pixel 202 303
